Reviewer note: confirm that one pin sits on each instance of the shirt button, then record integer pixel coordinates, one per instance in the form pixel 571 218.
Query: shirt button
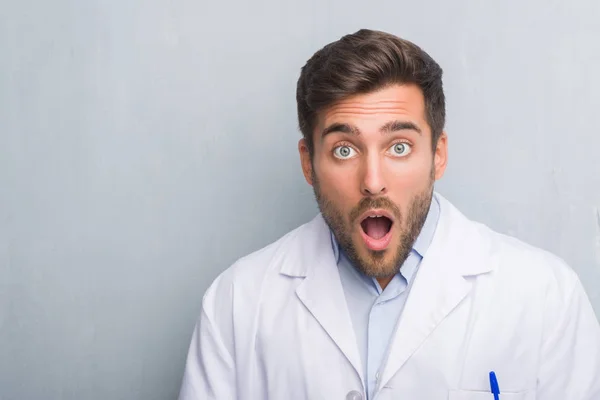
pixel 354 395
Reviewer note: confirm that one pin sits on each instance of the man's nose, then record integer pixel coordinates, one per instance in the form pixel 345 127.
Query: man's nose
pixel 373 183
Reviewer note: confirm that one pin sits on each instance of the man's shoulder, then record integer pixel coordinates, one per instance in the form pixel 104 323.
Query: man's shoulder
pixel 512 256
pixel 529 264
pixel 273 254
pixel 520 262
pixel 252 269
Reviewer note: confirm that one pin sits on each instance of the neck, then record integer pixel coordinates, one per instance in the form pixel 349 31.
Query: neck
pixel 383 282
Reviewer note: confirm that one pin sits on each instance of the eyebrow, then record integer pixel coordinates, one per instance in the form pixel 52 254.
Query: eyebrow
pixel 392 126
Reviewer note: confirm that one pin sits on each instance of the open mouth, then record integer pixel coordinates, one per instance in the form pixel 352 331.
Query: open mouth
pixel 376 228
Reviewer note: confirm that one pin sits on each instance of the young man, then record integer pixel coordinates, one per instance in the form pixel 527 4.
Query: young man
pixel 390 292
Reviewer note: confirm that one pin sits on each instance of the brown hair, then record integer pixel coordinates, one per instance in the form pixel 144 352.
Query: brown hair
pixel 363 62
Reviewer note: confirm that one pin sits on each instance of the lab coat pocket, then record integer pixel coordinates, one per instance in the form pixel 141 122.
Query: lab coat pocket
pixel 483 395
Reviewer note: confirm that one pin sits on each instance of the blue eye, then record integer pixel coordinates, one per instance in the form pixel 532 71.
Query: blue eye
pixel 401 149
pixel 343 152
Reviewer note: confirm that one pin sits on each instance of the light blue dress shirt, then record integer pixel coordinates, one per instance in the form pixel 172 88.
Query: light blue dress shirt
pixel 375 312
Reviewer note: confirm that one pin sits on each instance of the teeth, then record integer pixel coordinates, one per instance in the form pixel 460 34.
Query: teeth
pixel 375 216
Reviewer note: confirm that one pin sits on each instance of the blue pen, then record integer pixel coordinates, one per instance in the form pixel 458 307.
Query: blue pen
pixel 494 388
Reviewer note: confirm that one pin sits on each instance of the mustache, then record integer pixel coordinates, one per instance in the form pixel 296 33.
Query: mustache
pixel 368 203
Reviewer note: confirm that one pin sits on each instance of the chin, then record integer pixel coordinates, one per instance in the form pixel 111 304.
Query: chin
pixel 377 263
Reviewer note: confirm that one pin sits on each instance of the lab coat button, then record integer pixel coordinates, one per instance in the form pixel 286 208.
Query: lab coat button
pixel 354 395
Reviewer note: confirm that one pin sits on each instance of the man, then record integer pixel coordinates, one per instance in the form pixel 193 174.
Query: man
pixel 390 292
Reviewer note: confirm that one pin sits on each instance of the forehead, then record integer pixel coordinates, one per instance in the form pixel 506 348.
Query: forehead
pixel 401 102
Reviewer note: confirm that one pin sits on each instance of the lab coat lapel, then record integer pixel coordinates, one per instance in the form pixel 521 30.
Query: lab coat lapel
pixel 432 297
pixel 322 293
pixel 439 286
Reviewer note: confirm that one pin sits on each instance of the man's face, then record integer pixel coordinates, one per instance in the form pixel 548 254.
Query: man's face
pixel 373 171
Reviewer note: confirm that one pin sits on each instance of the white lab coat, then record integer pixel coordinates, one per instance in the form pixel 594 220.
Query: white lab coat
pixel 275 326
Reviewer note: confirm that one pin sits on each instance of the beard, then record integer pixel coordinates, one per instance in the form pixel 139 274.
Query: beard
pixel 374 263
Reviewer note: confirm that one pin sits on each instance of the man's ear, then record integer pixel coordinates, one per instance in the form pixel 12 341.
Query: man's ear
pixel 440 157
pixel 305 160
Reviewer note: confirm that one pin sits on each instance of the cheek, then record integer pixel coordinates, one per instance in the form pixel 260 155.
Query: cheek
pixel 339 184
pixel 410 176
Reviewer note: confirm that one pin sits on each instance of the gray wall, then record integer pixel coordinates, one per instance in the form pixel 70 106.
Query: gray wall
pixel 145 145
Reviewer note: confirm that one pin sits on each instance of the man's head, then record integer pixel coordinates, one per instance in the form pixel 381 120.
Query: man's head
pixel 371 110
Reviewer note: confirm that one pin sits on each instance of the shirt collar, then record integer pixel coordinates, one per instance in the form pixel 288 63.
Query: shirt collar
pixel 423 240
